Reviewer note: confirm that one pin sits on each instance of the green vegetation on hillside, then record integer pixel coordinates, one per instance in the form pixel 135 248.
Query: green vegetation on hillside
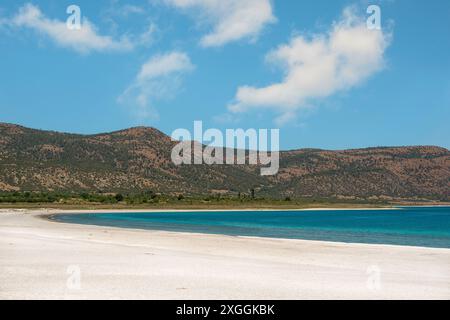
pixel 150 198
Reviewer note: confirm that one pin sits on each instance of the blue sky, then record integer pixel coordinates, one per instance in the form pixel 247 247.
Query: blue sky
pixel 306 67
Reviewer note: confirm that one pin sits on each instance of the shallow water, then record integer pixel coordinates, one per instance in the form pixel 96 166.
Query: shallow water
pixel 413 226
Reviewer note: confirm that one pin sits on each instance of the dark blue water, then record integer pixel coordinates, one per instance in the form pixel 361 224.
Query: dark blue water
pixel 414 226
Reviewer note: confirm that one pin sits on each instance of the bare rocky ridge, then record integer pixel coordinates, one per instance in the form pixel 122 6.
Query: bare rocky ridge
pixel 138 159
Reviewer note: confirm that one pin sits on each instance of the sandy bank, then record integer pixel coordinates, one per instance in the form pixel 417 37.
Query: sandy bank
pixel 44 259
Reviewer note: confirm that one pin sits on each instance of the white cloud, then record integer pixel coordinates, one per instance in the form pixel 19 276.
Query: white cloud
pixel 84 40
pixel 318 67
pixel 231 20
pixel 159 78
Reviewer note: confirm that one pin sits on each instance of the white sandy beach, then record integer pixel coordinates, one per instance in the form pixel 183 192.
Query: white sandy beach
pixel 40 259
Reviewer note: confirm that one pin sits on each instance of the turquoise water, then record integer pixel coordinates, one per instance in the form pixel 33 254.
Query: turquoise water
pixel 414 226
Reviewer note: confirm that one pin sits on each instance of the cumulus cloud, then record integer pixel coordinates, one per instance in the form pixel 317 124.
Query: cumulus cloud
pixel 159 78
pixel 231 20
pixel 83 40
pixel 317 67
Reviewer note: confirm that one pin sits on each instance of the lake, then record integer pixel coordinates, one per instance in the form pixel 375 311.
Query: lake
pixel 412 226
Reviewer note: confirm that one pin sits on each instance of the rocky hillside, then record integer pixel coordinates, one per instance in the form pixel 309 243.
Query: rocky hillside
pixel 138 159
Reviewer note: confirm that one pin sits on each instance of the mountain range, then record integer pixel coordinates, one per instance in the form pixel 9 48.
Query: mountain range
pixel 138 159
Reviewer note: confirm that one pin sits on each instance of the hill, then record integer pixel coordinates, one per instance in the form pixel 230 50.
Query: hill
pixel 138 159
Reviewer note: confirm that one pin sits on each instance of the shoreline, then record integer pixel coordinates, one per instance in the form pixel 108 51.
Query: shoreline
pixel 53 211
pixel 216 206
pixel 47 216
pixel 50 217
pixel 120 263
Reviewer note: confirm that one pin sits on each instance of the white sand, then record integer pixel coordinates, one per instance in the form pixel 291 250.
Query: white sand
pixel 39 259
